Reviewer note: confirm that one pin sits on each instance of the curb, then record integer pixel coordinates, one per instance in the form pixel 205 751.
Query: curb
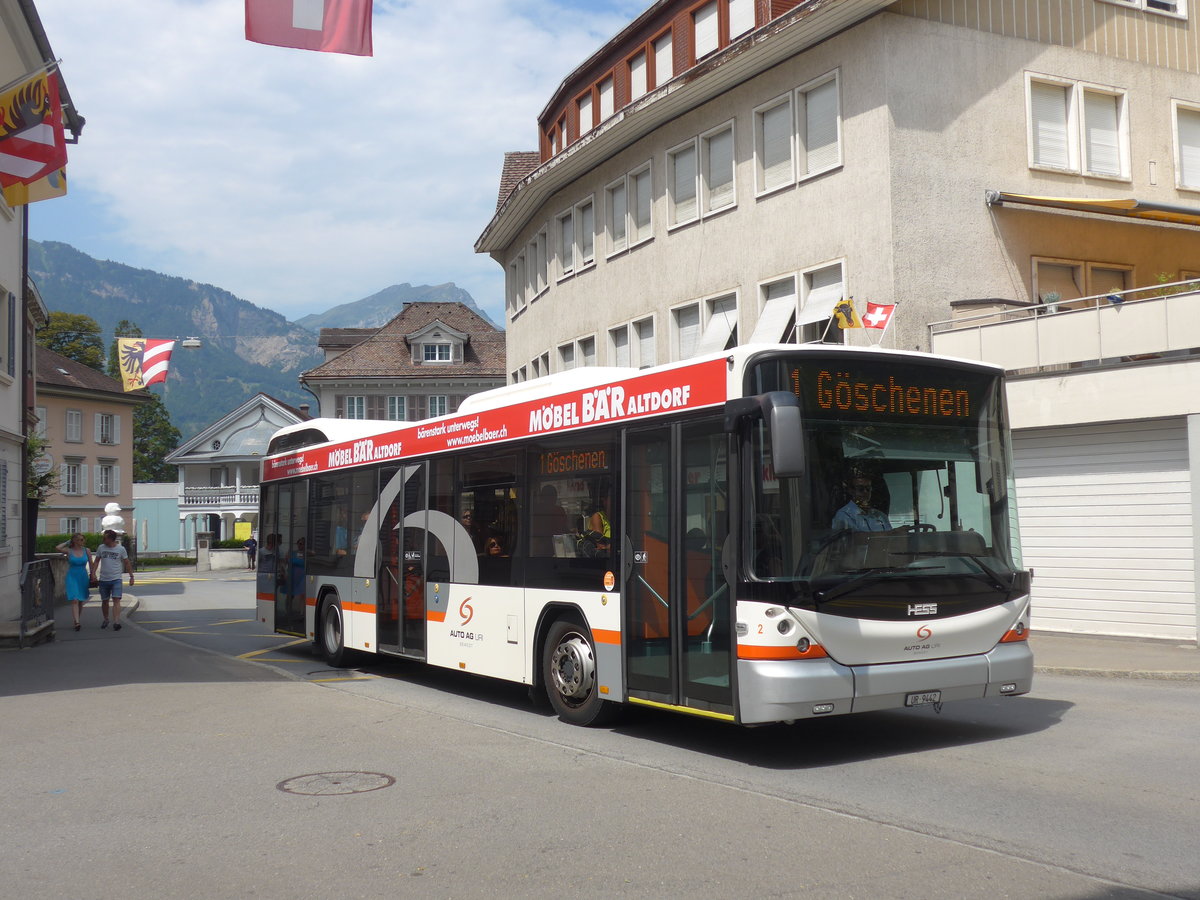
pixel 1148 675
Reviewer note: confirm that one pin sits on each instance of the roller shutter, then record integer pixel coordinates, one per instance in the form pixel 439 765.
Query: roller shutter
pixel 1106 525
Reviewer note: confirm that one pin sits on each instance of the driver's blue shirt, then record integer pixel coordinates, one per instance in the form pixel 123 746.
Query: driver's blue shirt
pixel 851 518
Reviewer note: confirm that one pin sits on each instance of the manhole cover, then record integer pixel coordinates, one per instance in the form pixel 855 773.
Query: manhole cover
pixel 324 784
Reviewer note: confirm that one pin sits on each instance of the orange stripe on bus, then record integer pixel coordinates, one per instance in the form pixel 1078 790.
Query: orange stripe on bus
pixel 749 651
pixel 436 615
pixel 604 636
pixel 266 598
pixel 359 607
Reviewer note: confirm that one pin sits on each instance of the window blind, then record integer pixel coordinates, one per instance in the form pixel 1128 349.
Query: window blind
pixel 821 127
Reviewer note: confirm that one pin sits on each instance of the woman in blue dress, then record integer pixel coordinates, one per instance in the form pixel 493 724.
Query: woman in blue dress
pixel 79 560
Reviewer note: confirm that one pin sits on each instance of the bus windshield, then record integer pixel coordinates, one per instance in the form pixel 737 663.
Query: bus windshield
pixel 907 475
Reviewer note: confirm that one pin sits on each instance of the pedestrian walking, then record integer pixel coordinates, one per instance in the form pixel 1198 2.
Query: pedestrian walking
pixel 109 561
pixel 251 546
pixel 79 561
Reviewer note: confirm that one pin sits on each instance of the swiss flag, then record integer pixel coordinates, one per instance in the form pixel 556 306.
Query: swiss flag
pixel 334 26
pixel 877 315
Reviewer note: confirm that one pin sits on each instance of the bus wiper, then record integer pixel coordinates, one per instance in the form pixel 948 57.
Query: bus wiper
pixel 996 579
pixel 864 578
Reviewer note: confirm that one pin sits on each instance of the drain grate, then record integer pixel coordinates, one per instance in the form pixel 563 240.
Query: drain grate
pixel 325 784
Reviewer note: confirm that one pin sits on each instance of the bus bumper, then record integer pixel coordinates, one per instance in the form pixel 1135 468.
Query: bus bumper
pixel 785 690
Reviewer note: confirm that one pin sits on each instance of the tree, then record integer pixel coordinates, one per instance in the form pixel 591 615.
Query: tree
pixel 153 434
pixel 74 336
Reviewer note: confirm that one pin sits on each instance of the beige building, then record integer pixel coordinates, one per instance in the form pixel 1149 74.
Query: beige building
pixel 421 364
pixel 24 50
pixel 725 171
pixel 87 420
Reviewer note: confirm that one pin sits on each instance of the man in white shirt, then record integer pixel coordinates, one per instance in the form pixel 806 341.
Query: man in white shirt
pixel 109 560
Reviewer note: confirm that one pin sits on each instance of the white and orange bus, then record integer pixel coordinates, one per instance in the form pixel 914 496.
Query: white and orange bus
pixel 772 534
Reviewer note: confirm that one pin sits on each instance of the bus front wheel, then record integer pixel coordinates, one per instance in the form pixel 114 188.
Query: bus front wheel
pixel 569 674
pixel 333 634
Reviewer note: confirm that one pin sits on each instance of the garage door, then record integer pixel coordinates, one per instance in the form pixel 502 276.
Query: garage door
pixel 1106 525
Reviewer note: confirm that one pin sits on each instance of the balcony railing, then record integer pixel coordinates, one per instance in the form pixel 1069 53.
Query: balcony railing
pixel 213 497
pixel 1121 326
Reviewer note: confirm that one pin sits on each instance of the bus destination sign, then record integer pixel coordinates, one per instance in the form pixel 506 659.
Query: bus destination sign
pixel 883 392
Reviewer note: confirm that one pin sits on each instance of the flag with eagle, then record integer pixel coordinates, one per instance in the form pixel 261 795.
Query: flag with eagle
pixel 143 361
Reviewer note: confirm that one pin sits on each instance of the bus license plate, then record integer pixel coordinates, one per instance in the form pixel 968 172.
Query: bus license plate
pixel 923 698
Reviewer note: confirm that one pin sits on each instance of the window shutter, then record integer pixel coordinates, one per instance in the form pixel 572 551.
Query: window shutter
pixel 98 417
pixel 722 323
pixel 777 312
pixel 775 145
pixel 683 188
pixel 664 63
pixel 620 339
pixel 116 479
pixel 741 17
pixel 1189 148
pixel 1103 138
pixel 720 169
pixel 566 244
pixel 617 213
pixel 705 24
pixel 821 127
pixel 12 334
pixel 83 482
pixel 642 205
pixel 1048 107
pixel 585 114
pixel 688 327
pixel 606 98
pixel 62 526
pixel 645 336
pixel 116 428
pixel 637 76
pixel 587 233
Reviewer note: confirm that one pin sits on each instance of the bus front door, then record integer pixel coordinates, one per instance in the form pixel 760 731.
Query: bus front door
pixel 401 599
pixel 677 609
pixel 291 559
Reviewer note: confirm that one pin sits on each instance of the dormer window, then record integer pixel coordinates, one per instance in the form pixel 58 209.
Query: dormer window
pixel 437 352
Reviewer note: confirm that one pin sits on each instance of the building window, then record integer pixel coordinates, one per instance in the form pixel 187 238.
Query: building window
pixel 618 345
pixel 616 215
pixel 439 405
pixel 107 479
pixel 741 17
pixel 70 525
pixel 1078 128
pixel 821 289
pixel 8 341
pixel 1187 146
pixel 584 105
pixel 686 321
pixel 664 60
pixel 644 352
pixel 566 244
pixel 397 409
pixel 539 275
pixel 704 29
pixel 41 427
pixel 72 478
pixel 1059 283
pixel 773 129
pixel 1166 7
pixel 587 351
pixel 681 178
pixel 355 408
pixel 74 432
pixel 606 98
pixel 585 234
pixel 107 428
pixel 439 352
pixel 716 149
pixel 720 328
pixel 517 283
pixel 545 358
pixel 566 357
pixel 777 314
pixel 818 109
pixel 637 76
pixel 3 504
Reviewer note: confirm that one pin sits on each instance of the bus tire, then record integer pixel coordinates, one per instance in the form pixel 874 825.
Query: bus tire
pixel 569 675
pixel 333 634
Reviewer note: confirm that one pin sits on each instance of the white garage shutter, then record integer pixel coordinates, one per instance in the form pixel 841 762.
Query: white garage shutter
pixel 1106 525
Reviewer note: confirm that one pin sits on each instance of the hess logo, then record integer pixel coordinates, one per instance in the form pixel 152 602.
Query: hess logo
pixel 466 610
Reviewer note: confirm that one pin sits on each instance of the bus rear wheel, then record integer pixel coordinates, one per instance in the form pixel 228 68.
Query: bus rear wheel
pixel 569 674
pixel 333 634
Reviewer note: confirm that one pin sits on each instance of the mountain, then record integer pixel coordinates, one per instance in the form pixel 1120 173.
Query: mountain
pixel 379 309
pixel 246 349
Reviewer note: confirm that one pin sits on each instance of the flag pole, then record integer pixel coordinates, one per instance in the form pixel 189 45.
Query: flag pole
pixel 883 333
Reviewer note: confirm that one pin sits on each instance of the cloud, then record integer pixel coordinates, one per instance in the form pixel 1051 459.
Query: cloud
pixel 302 180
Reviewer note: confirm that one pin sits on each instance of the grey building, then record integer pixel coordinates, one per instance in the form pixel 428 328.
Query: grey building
pixel 1021 179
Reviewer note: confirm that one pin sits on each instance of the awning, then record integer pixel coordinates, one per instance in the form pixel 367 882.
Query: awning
pixel 1129 208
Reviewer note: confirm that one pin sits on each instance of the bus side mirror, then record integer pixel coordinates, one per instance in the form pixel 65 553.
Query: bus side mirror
pixel 780 411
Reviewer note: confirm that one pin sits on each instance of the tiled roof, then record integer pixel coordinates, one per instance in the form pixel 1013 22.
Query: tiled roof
pixel 342 338
pixel 57 371
pixel 386 354
pixel 517 166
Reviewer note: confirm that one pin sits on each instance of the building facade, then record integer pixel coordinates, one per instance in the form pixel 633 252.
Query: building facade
pixel 220 467
pixel 421 364
pixel 726 171
pixel 86 419
pixel 24 51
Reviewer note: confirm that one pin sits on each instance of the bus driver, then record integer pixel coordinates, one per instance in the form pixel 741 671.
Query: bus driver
pixel 859 514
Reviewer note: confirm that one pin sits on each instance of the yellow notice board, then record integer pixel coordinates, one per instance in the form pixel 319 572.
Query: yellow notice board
pixel 242 530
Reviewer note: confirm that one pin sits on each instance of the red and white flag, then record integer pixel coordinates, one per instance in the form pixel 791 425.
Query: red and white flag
pixel 32 145
pixel 878 315
pixel 334 26
pixel 143 362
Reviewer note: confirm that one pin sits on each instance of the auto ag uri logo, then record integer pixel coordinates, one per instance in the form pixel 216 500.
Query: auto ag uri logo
pixel 466 610
pixel 924 632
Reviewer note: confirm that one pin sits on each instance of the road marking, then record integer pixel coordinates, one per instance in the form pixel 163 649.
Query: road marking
pixel 254 653
pixel 232 622
pixel 363 678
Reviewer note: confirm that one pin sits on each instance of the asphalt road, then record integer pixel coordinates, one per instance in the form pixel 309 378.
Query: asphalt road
pixel 169 767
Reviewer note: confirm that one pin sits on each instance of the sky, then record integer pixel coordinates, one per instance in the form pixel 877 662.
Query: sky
pixel 300 180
